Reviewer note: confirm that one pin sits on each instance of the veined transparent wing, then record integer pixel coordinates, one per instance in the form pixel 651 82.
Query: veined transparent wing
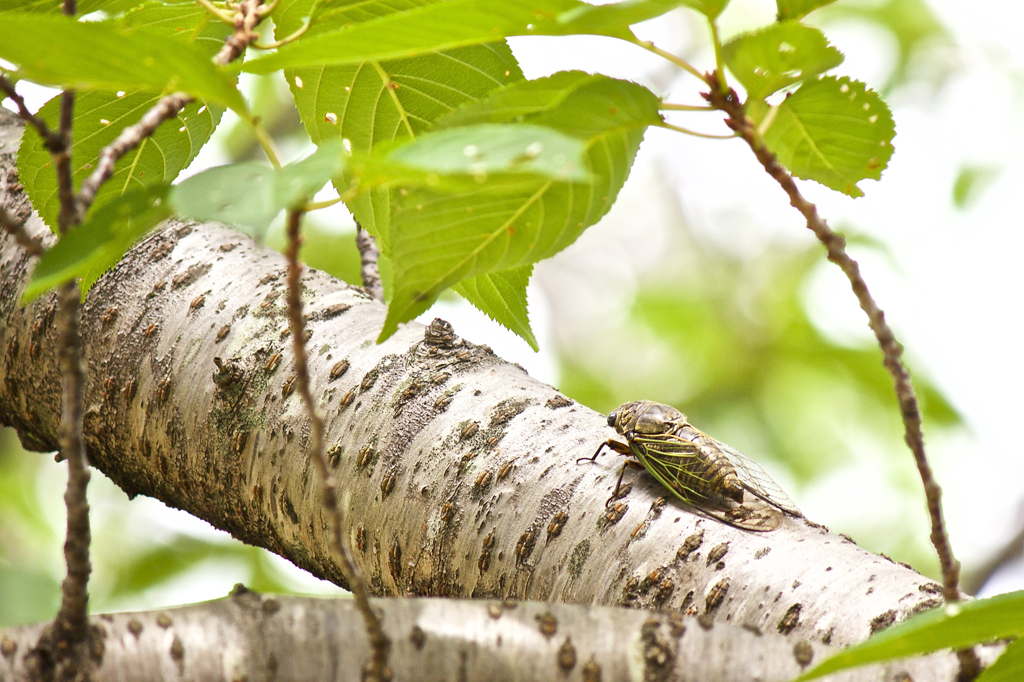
pixel 685 469
pixel 755 479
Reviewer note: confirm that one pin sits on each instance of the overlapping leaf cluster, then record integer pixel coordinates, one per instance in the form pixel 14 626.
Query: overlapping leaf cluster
pixel 465 173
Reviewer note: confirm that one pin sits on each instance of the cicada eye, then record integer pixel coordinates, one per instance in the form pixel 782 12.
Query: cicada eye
pixel 613 417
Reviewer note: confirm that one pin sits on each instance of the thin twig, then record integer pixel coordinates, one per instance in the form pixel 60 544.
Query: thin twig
pixel 68 216
pixel 16 228
pixel 50 139
pixel 167 108
pixel 246 19
pixel 72 625
pixel 378 669
pixel 70 636
pixel 369 254
pixel 835 244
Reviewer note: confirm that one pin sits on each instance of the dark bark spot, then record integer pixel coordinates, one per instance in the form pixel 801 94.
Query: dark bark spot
pixel 803 653
pixel 717 552
pixel 790 620
pixel 591 671
pixel 882 621
pixel 418 637
pixel 547 624
pixel 578 558
pixel 716 596
pixel 690 545
pixel 567 655
pixel 557 402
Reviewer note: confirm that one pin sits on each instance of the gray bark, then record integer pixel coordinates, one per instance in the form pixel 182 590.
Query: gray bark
pixel 457 471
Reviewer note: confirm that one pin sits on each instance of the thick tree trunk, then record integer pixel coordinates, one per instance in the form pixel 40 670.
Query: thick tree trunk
pixel 457 471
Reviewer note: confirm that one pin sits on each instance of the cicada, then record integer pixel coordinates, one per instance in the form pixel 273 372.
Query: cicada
pixel 701 471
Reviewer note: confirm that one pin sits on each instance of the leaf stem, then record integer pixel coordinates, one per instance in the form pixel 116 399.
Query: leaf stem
pixel 378 669
pixel 265 142
pixel 687 131
pixel 670 106
pixel 224 15
pixel 284 41
pixel 678 61
pixel 835 245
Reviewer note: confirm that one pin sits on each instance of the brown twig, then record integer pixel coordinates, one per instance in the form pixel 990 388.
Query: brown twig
pixel 167 108
pixel 68 216
pixel 50 138
pixel 369 254
pixel 246 19
pixel 16 228
pixel 66 646
pixel 835 245
pixel 378 668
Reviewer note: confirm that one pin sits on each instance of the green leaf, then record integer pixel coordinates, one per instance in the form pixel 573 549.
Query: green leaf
pixel 1009 667
pixel 56 8
pixel 184 22
pixel 370 103
pixel 249 195
pixel 834 131
pixel 520 100
pixel 488 148
pixel 953 627
pixel 90 249
pixel 502 297
pixel 779 55
pixel 428 28
pixel 795 9
pixel 617 17
pixel 101 116
pixel 507 222
pixel 56 50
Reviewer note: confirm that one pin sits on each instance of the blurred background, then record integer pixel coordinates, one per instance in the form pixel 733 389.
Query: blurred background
pixel 703 288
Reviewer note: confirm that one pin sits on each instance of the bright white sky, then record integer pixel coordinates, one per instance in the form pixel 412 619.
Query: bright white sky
pixel 951 289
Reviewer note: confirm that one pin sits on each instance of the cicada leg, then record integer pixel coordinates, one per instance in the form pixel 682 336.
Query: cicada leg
pixel 629 464
pixel 622 449
pixel 615 445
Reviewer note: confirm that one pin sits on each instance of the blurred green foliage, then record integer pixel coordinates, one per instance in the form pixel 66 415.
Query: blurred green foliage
pixel 912 25
pixel 137 561
pixel 729 341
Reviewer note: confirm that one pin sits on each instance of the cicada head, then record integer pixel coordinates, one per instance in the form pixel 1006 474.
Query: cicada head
pixel 645 417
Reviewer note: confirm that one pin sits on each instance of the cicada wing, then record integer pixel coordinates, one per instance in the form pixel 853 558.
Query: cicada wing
pixel 756 480
pixel 668 459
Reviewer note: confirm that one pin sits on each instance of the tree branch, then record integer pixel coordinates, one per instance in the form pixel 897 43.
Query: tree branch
pixel 835 245
pixel 254 637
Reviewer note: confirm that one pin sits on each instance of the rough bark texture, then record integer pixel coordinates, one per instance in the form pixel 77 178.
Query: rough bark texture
pixel 457 471
pixel 253 637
